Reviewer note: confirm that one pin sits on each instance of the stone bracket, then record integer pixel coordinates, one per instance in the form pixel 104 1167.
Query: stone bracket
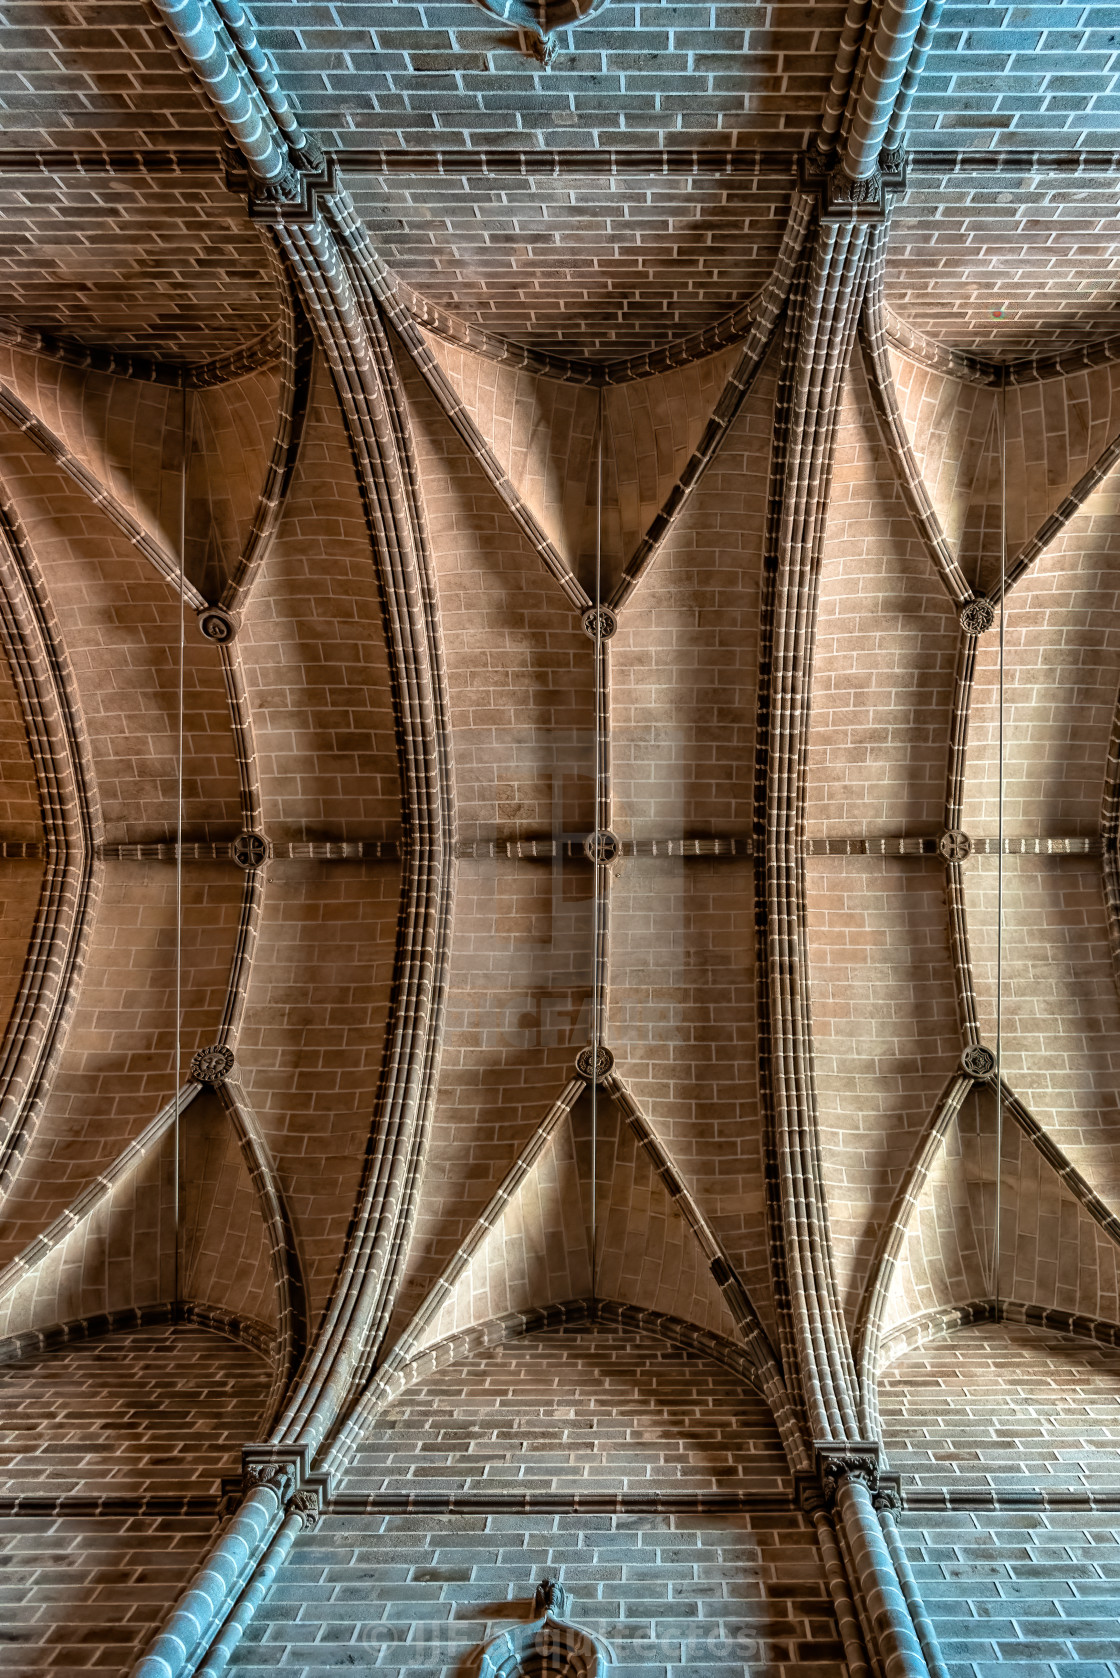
pixel 265 205
pixel 843 199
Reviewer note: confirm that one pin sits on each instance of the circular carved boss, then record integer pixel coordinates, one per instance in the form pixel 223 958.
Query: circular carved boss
pixel 599 621
pixel 212 1065
pixel 603 1064
pixel 217 624
pixel 249 850
pixel 953 845
pixel 978 1061
pixel 976 616
pixel 603 846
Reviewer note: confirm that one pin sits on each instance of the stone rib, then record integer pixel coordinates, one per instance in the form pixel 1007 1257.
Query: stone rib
pixel 358 352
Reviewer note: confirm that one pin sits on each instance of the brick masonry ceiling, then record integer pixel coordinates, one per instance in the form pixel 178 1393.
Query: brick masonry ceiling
pixel 559 836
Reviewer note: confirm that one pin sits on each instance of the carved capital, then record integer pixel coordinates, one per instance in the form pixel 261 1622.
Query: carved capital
pixel 308 1505
pixel 278 1475
pixel 284 1470
pixel 846 1459
pixel 888 1498
pixel 292 198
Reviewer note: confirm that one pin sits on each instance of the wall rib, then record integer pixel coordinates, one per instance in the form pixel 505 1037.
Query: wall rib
pixel 36 1031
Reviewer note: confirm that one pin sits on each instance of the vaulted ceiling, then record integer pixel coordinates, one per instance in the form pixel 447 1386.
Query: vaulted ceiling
pixel 586 279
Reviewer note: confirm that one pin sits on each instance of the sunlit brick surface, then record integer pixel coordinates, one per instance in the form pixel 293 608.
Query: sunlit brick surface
pixel 86 1593
pixel 724 1594
pixel 151 1410
pixel 572 1410
pixel 1024 1592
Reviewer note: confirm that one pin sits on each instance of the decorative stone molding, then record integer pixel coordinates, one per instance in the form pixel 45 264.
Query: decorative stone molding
pixel 295 200
pixel 978 1061
pixel 216 624
pixel 284 1468
pixel 846 1459
pixel 595 1071
pixel 600 623
pixel 212 1065
pixel 250 850
pixel 548 1643
pixel 953 845
pixel 977 616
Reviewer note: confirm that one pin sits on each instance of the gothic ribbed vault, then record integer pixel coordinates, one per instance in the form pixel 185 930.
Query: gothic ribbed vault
pixel 558 839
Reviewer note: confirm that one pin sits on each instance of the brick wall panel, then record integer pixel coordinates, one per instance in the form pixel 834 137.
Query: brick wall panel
pixel 20 816
pixel 232 427
pixel 520 669
pixel 885 1030
pixel 946 1254
pixel 150 1410
pixel 585 1408
pixel 544 435
pixel 652 428
pixel 885 650
pixel 537 1253
pixel 159 263
pixel 20 884
pixel 1061 1016
pixel 129 433
pixel 117 1068
pixel 312 1040
pixel 313 649
pixel 682 1026
pixel 517 1013
pixel 120 1255
pixel 949 422
pixel 645 1253
pixel 684 661
pixel 119 621
pixel 226 1259
pixel 1062 652
pixel 725 1594
pixel 1009 1407
pixel 90 1592
pixel 1052 1252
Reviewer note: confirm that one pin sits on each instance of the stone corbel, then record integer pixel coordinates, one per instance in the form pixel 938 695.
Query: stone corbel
pixel 298 206
pixel 843 198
